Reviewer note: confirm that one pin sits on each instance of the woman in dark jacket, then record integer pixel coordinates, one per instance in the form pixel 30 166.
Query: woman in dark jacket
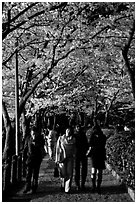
pixel 97 153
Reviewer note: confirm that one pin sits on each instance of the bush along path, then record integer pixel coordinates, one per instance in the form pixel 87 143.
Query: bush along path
pixel 121 155
pixel 118 177
pixel 49 188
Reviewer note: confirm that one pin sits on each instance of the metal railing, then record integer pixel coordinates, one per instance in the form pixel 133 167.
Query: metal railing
pixel 13 172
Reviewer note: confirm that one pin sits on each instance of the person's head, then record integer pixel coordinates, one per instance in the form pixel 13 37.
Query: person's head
pixel 68 132
pixel 49 127
pixel 97 127
pixel 57 126
pixel 96 122
pixel 77 128
pixel 33 133
pixel 89 125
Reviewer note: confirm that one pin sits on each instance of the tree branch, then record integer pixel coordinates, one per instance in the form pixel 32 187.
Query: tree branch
pixel 125 56
pixel 5 33
pixel 22 12
pixel 72 81
pixel 21 47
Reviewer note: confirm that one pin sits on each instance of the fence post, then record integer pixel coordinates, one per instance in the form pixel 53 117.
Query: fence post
pixel 17 101
pixel 6 175
pixel 123 163
pixel 14 169
pixel 23 165
pixel 19 167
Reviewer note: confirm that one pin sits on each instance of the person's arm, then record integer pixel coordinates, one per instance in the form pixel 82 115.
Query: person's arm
pixel 75 148
pixel 102 141
pixel 88 152
pixel 58 146
pixel 90 143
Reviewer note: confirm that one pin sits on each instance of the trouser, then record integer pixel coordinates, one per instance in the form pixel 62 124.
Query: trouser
pixel 46 147
pixel 66 174
pixel 51 149
pixel 32 175
pixel 96 173
pixel 80 168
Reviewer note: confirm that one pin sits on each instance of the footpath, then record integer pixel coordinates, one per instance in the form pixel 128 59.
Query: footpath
pixel 49 189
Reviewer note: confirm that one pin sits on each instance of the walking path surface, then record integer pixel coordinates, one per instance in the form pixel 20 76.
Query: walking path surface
pixel 49 189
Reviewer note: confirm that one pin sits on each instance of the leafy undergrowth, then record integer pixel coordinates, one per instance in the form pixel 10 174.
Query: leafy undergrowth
pixel 120 148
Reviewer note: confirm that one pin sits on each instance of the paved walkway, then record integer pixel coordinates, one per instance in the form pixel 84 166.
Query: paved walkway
pixel 49 189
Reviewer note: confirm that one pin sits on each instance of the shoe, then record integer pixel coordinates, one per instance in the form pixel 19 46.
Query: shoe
pixel 93 190
pixel 62 188
pixel 34 186
pixel 83 188
pixel 98 190
pixel 26 190
pixel 78 188
pixel 68 192
pixel 34 190
pixel 93 186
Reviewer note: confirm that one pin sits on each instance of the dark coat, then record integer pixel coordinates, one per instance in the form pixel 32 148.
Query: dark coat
pixel 33 151
pixel 81 143
pixel 98 151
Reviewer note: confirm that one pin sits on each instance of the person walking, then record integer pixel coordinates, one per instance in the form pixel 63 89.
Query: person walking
pixel 65 152
pixel 80 158
pixel 33 149
pixel 97 153
pixel 51 141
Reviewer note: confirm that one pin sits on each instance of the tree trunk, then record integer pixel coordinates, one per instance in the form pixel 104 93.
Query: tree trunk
pixel 131 71
pixel 106 123
pixel 54 123
pixel 9 147
pixel 108 107
pixel 25 127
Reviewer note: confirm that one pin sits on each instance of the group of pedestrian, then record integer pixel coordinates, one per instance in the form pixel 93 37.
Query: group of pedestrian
pixel 71 151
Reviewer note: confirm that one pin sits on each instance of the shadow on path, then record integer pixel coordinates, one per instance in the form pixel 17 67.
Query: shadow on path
pixel 49 189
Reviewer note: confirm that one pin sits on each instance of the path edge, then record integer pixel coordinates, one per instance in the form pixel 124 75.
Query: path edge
pixel 129 190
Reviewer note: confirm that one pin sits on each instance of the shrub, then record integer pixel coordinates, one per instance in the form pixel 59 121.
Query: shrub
pixel 120 148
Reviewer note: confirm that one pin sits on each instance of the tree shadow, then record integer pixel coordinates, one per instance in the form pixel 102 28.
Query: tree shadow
pixel 114 189
pixel 105 190
pixel 47 188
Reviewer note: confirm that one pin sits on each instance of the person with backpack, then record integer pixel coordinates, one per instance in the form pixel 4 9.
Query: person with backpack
pixel 65 152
